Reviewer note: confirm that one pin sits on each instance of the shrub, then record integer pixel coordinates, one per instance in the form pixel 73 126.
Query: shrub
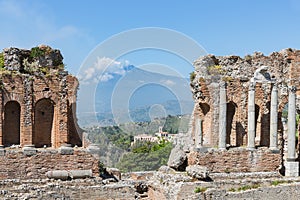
pixel 248 57
pixel 216 70
pixel 200 189
pixel 101 167
pixel 36 52
pixel 227 170
pixel 1 60
pixel 227 79
pixel 192 76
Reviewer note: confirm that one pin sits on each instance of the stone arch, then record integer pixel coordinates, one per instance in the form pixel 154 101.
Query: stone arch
pixel 230 136
pixel 43 122
pixel 11 126
pixel 206 123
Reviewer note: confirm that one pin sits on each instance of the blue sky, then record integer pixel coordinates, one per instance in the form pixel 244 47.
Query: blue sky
pixel 221 27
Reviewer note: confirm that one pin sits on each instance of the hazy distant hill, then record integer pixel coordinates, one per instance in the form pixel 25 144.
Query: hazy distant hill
pixel 139 95
pixel 140 114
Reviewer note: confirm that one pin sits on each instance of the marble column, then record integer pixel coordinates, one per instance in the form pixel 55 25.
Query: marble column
pixel 291 165
pixel 198 133
pixel 251 116
pixel 292 124
pixel 222 116
pixel 274 118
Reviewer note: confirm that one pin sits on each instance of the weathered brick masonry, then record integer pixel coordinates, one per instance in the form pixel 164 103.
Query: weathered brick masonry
pixel 237 160
pixel 38 125
pixel 280 69
pixel 37 99
pixel 16 164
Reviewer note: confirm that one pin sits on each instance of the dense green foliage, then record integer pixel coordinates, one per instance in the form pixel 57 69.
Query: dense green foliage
pixel 192 76
pixel 1 60
pixel 36 52
pixel 146 157
pixel 115 143
pixel 114 134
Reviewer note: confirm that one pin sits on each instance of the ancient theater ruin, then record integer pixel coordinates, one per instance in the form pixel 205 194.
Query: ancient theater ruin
pixel 38 127
pixel 238 123
pixel 37 99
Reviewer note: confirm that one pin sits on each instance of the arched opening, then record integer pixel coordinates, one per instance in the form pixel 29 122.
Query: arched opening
pixel 206 123
pixel 43 121
pixel 257 110
pixel 230 139
pixel 265 126
pixel 11 126
pixel 75 132
pixel 204 108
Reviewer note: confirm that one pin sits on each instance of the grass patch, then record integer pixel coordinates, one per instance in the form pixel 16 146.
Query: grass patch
pixel 277 182
pixel 248 187
pixel 200 189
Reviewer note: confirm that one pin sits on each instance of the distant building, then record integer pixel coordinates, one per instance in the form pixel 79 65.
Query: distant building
pixel 145 138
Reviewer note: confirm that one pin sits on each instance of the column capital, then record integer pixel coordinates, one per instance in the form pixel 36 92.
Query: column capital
pixel 252 86
pixel 223 84
pixel 292 89
pixel 275 86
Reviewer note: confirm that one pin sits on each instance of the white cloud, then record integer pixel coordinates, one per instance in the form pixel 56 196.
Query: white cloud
pixel 105 77
pixel 103 70
pixel 168 82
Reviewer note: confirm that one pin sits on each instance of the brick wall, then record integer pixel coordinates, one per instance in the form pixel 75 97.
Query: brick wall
pixel 237 160
pixel 15 165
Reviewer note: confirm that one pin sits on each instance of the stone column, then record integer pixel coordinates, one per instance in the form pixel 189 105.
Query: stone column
pixel 274 118
pixel 63 110
pixel 292 166
pixel 26 129
pixel 251 116
pixel 292 124
pixel 222 116
pixel 198 133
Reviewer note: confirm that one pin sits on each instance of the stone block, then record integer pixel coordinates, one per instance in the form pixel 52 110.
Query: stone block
pixel 2 150
pixel 197 171
pixel 29 150
pixel 66 150
pixel 93 149
pixel 114 172
pixel 291 168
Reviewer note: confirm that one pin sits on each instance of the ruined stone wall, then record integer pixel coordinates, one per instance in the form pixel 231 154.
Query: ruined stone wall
pixel 15 164
pixel 36 81
pixel 284 70
pixel 237 160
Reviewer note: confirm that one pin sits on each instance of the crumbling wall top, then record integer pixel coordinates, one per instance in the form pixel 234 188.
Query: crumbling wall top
pixel 40 59
pixel 236 67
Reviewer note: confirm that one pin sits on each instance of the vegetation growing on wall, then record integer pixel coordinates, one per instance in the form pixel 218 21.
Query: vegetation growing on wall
pixel 1 60
pixel 215 70
pixel 37 52
pixel 192 76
